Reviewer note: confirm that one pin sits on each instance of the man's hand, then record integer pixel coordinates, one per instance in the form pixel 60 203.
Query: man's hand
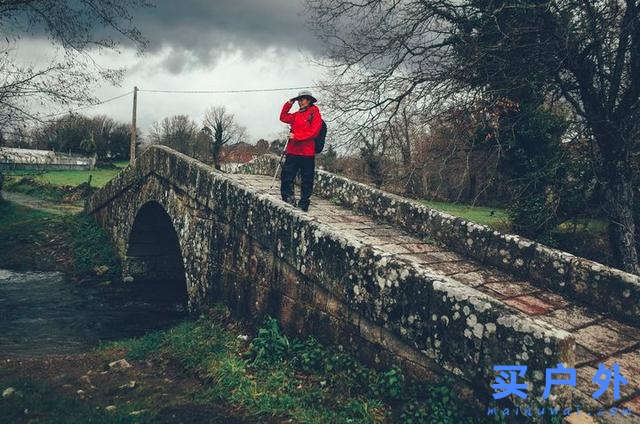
pixel 290 136
pixel 292 101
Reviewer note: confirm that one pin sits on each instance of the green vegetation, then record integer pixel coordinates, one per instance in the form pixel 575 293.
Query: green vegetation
pixel 99 177
pixel 278 376
pixel 493 217
pixel 35 188
pixel 11 213
pixel 34 240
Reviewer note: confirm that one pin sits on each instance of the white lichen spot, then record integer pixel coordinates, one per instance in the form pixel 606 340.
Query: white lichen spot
pixel 356 290
pixel 456 315
pixel 626 293
pixel 434 317
pixel 445 319
pixel 472 320
pixel 478 329
pixel 466 310
pixel 519 262
pixel 467 333
pixel 547 351
pixel 491 327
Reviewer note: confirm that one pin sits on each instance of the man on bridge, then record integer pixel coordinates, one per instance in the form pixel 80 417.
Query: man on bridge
pixel 305 127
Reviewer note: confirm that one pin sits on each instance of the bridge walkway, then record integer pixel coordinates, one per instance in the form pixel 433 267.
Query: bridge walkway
pixel 599 338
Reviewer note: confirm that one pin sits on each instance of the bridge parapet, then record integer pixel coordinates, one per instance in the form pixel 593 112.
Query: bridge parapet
pixel 607 289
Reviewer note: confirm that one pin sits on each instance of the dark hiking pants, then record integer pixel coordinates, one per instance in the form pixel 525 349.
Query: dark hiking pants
pixel 292 165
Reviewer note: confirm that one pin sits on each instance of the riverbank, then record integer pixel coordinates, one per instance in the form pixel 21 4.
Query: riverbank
pixel 38 240
pixel 217 370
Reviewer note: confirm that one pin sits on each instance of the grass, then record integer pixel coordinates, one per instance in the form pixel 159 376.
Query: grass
pixel 34 240
pixel 277 376
pixel 99 177
pixel 492 217
pixel 39 190
pixel 10 214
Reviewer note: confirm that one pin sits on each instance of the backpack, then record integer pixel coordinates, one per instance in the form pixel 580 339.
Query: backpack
pixel 319 141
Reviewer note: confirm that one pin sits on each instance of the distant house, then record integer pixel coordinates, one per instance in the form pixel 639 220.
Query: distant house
pixel 238 153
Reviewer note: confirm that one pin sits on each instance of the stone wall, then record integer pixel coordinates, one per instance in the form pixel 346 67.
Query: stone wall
pixel 607 289
pixel 30 159
pixel 259 255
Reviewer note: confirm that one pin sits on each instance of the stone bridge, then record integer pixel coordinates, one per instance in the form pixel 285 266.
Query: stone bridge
pixel 395 281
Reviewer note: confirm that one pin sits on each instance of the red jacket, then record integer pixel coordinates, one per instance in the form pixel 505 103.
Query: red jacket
pixel 304 127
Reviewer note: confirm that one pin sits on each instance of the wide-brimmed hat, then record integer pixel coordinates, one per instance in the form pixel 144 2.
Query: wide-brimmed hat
pixel 305 93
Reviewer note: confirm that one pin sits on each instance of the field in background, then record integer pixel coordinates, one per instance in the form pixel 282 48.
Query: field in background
pixel 492 217
pixel 99 176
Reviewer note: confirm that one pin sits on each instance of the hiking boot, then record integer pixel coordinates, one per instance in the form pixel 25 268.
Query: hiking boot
pixel 304 205
pixel 290 200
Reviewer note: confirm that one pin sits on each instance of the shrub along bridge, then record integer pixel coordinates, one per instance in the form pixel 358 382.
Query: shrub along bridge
pixel 395 281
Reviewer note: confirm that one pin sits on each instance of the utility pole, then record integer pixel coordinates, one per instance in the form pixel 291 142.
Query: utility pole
pixel 132 149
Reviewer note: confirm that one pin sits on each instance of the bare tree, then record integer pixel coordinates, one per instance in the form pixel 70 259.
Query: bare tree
pixel 224 130
pixel 178 132
pixel 585 54
pixel 75 29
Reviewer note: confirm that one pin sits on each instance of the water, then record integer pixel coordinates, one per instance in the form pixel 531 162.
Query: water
pixel 42 313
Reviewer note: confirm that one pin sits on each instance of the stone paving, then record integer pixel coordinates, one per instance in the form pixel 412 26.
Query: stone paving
pixel 599 338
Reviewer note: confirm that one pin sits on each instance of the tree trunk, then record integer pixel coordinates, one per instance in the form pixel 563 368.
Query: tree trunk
pixel 414 188
pixel 622 225
pixel 216 155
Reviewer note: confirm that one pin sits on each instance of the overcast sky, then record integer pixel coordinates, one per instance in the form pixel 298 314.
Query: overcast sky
pixel 215 45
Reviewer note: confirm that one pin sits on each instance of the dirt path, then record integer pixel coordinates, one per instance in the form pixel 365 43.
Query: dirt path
pixel 43 205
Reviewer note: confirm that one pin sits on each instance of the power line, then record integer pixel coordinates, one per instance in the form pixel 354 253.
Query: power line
pixel 55 115
pixel 257 90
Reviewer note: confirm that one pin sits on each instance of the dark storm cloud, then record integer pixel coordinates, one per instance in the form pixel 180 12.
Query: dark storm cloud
pixel 197 32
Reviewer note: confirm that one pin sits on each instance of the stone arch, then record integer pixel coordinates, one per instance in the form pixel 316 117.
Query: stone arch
pixel 153 250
